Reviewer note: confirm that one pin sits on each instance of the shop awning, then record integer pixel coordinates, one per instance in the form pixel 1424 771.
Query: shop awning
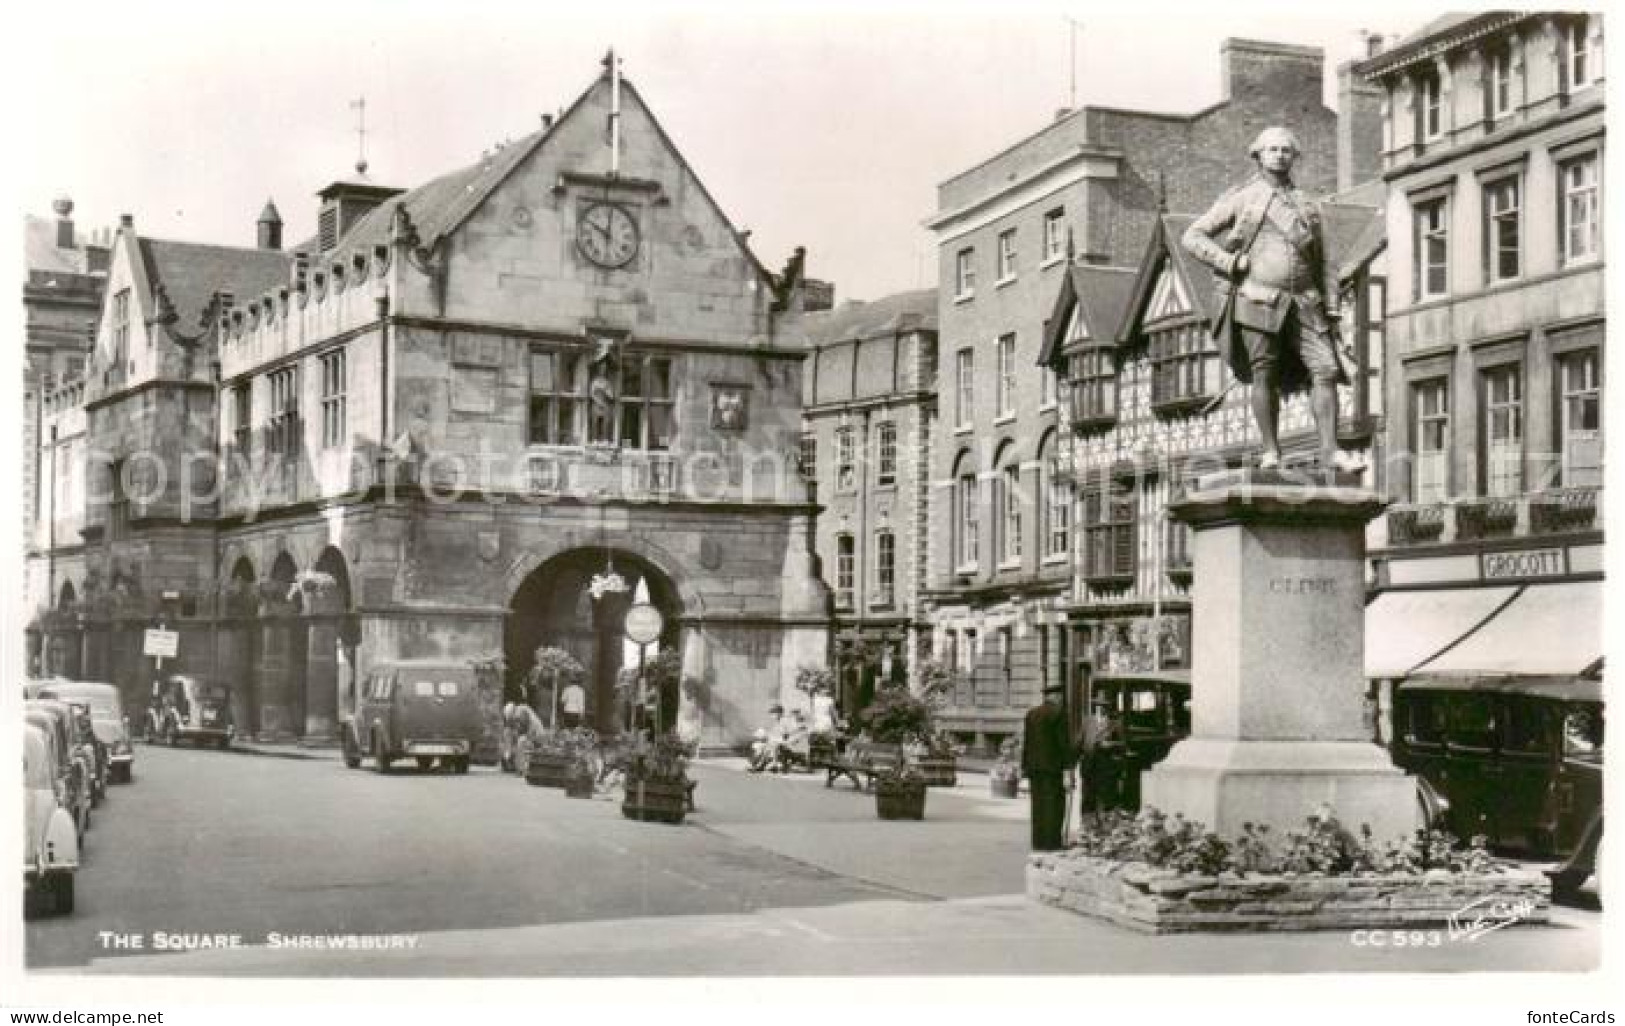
pixel 1406 628
pixel 1549 630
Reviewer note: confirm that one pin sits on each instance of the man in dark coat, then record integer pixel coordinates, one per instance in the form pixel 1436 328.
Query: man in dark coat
pixel 1276 295
pixel 1047 756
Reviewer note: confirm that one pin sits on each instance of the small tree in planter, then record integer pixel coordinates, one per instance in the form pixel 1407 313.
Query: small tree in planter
pixel 556 669
pixel 657 784
pixel 898 717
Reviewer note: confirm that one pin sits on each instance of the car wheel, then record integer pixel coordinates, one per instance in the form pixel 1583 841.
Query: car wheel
pixel 380 758
pixel 224 742
pixel 460 764
pixel 352 751
pixel 62 893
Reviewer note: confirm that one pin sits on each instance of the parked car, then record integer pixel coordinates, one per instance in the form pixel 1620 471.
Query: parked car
pixel 1516 760
pixel 188 709
pixel 72 765
pixel 1146 714
pixel 107 719
pixel 425 711
pixel 50 835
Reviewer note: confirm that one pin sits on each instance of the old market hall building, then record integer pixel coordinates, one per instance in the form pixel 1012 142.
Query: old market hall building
pixel 445 427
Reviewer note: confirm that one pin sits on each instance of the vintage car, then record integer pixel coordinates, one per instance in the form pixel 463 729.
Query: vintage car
pixel 1518 761
pixel 72 764
pixel 188 709
pixel 1146 713
pixel 419 710
pixel 107 719
pixel 50 835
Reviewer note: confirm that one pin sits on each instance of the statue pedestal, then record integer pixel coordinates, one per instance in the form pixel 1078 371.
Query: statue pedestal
pixel 1278 619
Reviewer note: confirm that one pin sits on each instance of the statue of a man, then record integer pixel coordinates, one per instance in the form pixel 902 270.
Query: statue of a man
pixel 1275 324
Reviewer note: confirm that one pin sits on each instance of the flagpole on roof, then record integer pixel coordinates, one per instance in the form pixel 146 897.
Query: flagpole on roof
pixel 614 65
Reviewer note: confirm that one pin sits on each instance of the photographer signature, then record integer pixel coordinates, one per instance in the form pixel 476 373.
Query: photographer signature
pixel 1486 915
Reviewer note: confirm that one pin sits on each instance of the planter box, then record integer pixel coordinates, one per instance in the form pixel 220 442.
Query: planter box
pixel 659 801
pixel 1163 901
pixel 578 787
pixel 547 770
pixel 1003 788
pixel 900 801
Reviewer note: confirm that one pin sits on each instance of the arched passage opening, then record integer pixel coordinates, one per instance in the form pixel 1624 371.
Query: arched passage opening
pixel 554 608
pixel 281 668
pixel 330 644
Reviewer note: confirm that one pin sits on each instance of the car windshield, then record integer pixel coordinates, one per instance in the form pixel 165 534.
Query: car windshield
pixel 36 762
pixel 1582 734
pixel 101 707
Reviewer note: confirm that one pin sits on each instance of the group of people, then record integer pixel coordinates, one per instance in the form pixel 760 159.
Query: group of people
pixel 1050 755
pixel 786 742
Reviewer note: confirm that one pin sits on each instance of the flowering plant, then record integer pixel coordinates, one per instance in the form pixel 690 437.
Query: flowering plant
pixel 605 583
pixel 1008 765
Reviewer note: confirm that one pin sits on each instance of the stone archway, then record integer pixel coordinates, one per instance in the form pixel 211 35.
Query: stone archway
pixel 553 607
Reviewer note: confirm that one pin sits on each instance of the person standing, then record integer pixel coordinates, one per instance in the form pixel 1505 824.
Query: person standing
pixel 572 705
pixel 1047 756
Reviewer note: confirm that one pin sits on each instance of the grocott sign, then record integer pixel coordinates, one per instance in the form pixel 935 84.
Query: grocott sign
pixel 643 624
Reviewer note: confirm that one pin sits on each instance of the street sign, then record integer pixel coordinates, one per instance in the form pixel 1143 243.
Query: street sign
pixel 163 644
pixel 643 624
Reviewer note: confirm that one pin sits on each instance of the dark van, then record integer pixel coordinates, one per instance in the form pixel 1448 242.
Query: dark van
pixel 426 711
pixel 1516 760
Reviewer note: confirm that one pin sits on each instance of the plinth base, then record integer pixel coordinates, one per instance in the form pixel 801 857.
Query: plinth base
pixel 1224 784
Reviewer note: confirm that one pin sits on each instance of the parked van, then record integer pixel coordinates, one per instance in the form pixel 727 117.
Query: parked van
pixel 427 711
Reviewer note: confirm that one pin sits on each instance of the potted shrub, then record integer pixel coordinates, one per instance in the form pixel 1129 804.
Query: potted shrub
pixel 937 760
pixel 657 786
pixel 1004 779
pixel 897 717
pixel 900 793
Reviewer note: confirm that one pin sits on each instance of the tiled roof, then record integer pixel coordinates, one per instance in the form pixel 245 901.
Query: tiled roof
pixel 1103 292
pixel 439 206
pixel 890 315
pixel 1440 34
pixel 1354 234
pixel 190 273
pixel 1197 276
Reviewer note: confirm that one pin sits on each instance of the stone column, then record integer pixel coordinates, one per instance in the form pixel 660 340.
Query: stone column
pixel 1278 680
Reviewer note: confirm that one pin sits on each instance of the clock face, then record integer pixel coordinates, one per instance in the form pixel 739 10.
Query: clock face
pixel 607 235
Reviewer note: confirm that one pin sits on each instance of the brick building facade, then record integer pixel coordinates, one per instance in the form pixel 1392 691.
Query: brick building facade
pixel 1089 187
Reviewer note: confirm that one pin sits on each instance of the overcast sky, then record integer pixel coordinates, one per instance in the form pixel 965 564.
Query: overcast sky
pixel 823 125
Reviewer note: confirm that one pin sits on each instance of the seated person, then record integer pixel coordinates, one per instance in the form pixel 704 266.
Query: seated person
pixel 794 740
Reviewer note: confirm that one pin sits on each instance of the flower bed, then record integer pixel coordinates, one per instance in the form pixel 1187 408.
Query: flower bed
pixel 1161 875
pixel 1152 900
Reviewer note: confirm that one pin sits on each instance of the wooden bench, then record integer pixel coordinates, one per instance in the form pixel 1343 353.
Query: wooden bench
pixel 862 761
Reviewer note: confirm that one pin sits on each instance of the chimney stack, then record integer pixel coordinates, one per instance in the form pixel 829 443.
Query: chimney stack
pixel 64 223
pixel 269 234
pixel 1359 128
pixel 1271 70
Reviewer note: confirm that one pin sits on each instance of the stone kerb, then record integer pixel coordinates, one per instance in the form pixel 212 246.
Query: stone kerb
pixel 1150 900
